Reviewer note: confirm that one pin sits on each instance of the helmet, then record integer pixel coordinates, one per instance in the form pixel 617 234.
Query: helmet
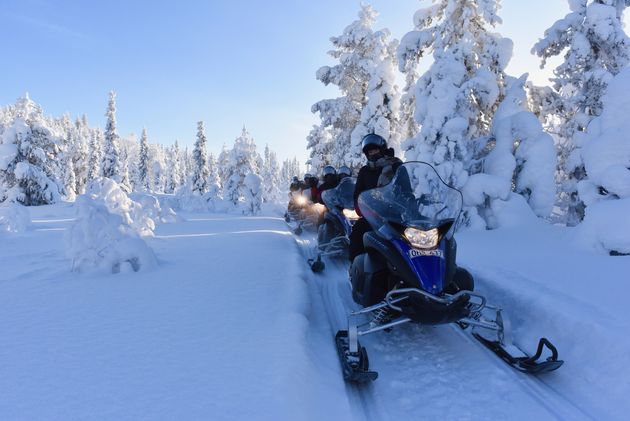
pixel 345 171
pixel 307 176
pixel 295 179
pixel 329 170
pixel 371 141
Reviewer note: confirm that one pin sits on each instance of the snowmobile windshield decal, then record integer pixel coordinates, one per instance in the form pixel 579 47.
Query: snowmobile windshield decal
pixel 429 269
pixel 416 197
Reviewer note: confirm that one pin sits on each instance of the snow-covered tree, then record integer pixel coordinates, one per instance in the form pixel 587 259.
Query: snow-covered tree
pixel 456 97
pixel 175 173
pixel 214 182
pixel 96 154
pixel 80 156
pixel 144 180
pixel 381 111
pixel 200 170
pixel 243 160
pixel 521 160
pixel 605 188
pixel 271 177
pixel 595 48
pixel 27 152
pixel 354 51
pixel 320 142
pixel 252 194
pixel 111 155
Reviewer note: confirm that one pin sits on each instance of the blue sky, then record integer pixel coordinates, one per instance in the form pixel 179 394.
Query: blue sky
pixel 228 63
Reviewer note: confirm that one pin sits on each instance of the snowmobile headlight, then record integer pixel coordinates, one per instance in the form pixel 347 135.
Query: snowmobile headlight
pixel 350 214
pixel 422 239
pixel 300 200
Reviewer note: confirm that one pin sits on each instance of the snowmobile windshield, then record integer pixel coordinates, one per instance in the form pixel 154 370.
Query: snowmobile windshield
pixel 415 197
pixel 341 196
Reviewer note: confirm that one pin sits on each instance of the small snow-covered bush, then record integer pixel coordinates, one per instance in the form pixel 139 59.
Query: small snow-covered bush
pixel 101 240
pixel 114 198
pixel 154 209
pixel 253 194
pixel 14 217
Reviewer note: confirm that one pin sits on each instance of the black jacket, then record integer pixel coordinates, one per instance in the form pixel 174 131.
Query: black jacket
pixel 369 175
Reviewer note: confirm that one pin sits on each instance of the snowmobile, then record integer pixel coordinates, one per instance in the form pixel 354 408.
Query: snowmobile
pixel 409 274
pixel 333 234
pixel 301 211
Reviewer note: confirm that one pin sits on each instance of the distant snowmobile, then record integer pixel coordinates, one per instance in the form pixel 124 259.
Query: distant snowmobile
pixel 409 274
pixel 334 232
pixel 301 211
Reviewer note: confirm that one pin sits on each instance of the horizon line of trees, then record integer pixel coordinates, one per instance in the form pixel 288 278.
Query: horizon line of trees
pixel 44 160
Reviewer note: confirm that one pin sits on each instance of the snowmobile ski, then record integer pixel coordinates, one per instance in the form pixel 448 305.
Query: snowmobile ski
pixel 355 365
pixel 526 364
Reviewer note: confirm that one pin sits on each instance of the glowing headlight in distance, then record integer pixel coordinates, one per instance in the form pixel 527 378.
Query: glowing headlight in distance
pixel 300 200
pixel 422 239
pixel 350 214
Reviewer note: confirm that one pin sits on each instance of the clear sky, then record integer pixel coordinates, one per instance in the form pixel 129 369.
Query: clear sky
pixel 229 63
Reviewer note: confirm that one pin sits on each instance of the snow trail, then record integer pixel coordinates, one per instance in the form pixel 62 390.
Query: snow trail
pixel 220 330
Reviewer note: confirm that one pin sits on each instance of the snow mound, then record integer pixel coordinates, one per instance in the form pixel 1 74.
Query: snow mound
pixel 114 198
pixel 14 218
pixel 154 209
pixel 606 226
pixel 103 241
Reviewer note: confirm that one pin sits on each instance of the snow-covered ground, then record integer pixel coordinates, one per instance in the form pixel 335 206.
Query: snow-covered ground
pixel 231 324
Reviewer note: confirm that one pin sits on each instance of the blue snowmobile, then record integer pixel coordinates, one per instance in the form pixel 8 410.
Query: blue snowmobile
pixel 409 274
pixel 334 232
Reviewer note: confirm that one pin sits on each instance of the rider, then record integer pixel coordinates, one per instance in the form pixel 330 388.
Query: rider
pixel 344 171
pixel 295 190
pixel 329 175
pixel 379 171
pixel 307 187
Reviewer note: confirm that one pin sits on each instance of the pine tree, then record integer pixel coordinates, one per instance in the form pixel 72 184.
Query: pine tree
pixel 353 49
pixel 143 163
pixel 96 154
pixel 81 160
pixel 595 49
pixel 175 172
pixel 270 177
pixel 243 160
pixel 456 97
pixel 29 151
pixel 200 170
pixel 111 155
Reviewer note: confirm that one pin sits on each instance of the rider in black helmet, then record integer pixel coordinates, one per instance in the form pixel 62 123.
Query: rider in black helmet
pixel 343 172
pixel 379 171
pixel 329 175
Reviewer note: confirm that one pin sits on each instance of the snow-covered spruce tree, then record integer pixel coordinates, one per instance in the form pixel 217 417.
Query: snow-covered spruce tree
pixel 144 181
pixel 521 160
pixel 320 142
pixel 456 97
pixel 243 160
pixel 159 174
pixel 595 48
pixel 27 152
pixel 81 153
pixel 214 182
pixel 174 170
pixel 354 50
pixel 252 194
pixel 123 162
pixel 381 111
pixel 110 165
pixel 96 154
pixel 68 134
pixel 606 186
pixel 200 169
pixel 271 177
pixel 223 165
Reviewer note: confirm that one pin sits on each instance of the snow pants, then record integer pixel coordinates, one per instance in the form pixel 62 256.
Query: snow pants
pixel 356 238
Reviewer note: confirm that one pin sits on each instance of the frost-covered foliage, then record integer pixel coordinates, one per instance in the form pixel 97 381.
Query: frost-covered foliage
pixel 214 193
pixel 100 240
pixel 96 154
pixel 114 198
pixel 605 152
pixel 200 169
pixel 456 97
pixel 595 48
pixel 143 180
pixel 110 165
pixel 175 171
pixel 320 143
pixel 364 64
pixel 289 169
pixel 521 160
pixel 252 194
pixel 28 148
pixel 243 160
pixel 14 218
pixel 271 177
